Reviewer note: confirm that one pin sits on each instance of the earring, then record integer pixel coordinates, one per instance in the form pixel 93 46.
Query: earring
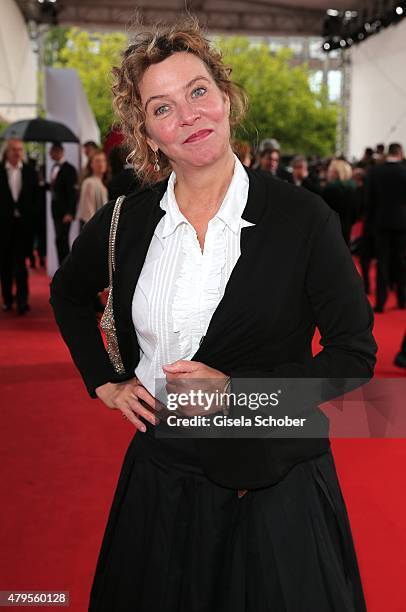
pixel 157 167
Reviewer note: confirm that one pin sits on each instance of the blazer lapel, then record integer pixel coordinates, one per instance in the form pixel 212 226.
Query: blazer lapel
pixel 6 183
pixel 24 183
pixel 257 202
pixel 135 230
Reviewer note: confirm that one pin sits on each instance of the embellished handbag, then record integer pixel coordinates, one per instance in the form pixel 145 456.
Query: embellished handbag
pixel 107 322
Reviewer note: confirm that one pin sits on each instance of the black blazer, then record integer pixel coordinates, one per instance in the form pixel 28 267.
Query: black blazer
pixel 311 185
pixel 27 202
pixel 386 196
pixel 295 272
pixel 342 198
pixel 65 191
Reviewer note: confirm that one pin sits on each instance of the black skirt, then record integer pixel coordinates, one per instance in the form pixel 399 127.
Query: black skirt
pixel 177 542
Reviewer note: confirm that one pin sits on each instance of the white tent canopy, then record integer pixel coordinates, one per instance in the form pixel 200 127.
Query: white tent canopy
pixel 378 90
pixel 66 101
pixel 253 17
pixel 18 75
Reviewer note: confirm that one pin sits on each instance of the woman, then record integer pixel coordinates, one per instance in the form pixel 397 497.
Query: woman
pixel 93 191
pixel 221 273
pixel 93 195
pixel 340 194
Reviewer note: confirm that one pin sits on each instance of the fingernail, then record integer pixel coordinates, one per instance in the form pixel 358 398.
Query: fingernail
pixel 143 428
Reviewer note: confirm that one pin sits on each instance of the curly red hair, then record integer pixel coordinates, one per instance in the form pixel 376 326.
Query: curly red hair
pixel 151 46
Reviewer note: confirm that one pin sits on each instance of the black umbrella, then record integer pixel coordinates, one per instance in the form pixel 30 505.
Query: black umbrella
pixel 39 130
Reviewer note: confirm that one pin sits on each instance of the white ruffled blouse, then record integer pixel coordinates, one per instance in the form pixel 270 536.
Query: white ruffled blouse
pixel 180 286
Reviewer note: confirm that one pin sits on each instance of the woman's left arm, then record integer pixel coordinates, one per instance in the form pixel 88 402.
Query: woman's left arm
pixel 81 276
pixel 342 314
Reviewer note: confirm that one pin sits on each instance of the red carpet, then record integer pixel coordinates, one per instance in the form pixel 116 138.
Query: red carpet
pixel 61 453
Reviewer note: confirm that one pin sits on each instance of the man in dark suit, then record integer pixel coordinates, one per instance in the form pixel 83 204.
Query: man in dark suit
pixel 386 200
pixel 300 175
pixel 269 160
pixel 18 201
pixel 123 179
pixel 64 190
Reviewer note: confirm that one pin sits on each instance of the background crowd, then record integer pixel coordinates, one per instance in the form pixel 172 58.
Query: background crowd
pixel 369 196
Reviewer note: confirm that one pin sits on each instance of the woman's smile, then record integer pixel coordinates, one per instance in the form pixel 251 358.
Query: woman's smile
pixel 198 136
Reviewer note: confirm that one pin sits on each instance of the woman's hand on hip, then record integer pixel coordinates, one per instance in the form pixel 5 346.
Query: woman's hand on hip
pixel 197 380
pixel 131 398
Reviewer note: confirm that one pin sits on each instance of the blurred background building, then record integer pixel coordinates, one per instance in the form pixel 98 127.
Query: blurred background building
pixel 18 66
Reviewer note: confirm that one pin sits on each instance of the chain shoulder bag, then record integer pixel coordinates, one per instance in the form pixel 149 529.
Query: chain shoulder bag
pixel 107 322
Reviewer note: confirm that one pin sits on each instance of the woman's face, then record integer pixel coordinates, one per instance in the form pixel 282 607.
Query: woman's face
pixel 332 174
pixel 187 115
pixel 98 164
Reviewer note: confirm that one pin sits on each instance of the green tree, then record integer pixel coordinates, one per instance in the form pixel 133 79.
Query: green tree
pixel 55 40
pixel 282 104
pixel 3 125
pixel 93 56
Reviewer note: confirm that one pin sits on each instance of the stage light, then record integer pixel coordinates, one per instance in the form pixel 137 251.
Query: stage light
pixel 376 26
pixel 342 29
pixel 332 25
pixel 47 11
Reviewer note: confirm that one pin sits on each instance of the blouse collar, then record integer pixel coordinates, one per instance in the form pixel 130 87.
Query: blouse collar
pixel 229 212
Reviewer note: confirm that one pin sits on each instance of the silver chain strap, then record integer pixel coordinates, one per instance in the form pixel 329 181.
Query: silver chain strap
pixel 107 322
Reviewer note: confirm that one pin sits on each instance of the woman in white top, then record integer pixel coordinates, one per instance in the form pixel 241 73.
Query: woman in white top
pixel 215 268
pixel 93 191
pixel 93 195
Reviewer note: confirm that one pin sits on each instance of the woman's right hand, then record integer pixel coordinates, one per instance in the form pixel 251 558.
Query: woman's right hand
pixel 126 397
